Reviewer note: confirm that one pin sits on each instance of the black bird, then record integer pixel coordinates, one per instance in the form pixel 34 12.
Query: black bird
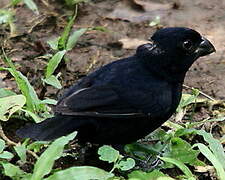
pixel 127 99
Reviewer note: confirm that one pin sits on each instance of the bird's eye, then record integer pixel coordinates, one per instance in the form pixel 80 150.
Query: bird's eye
pixel 187 45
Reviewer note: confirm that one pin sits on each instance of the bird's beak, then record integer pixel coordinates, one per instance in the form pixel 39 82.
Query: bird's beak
pixel 205 47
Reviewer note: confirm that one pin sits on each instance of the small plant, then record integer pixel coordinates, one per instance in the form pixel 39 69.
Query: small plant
pixel 7 18
pixel 44 163
pixel 109 154
pixel 155 22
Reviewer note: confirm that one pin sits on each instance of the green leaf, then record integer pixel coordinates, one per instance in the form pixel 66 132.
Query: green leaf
pixel 212 158
pixel 194 124
pixel 11 170
pixel 187 99
pixel 159 135
pixel 99 28
pixel 5 92
pixel 2 145
pixel 53 81
pixel 155 22
pixel 173 125
pixel 54 62
pixel 49 101
pixel 109 154
pixel 142 151
pixel 169 178
pixel 184 131
pixel 73 2
pixel 31 5
pixel 45 162
pixel 24 85
pixel 9 105
pixel 180 165
pixel 65 35
pixel 6 155
pixel 21 151
pixel 74 38
pixel 177 152
pixel 37 145
pixel 34 116
pixel 28 91
pixel 81 173
pixel 53 43
pixel 6 16
pixel 214 145
pixel 15 2
pixel 140 175
pixel 127 164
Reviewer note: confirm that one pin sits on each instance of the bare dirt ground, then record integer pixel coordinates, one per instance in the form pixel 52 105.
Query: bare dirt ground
pixel 127 22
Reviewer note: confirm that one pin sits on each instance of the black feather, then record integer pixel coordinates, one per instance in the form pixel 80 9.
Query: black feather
pixel 126 99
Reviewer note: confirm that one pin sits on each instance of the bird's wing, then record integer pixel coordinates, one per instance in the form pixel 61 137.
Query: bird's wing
pixel 97 101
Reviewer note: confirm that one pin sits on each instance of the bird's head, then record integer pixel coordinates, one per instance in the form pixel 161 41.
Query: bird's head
pixel 173 51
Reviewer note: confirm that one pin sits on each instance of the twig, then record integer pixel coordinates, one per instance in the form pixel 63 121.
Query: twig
pixel 200 92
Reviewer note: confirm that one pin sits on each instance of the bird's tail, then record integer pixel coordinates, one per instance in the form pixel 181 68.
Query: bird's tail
pixel 49 129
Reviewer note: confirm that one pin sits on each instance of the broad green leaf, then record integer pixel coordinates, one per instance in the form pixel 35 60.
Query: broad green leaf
pixel 215 146
pixel 158 134
pixel 6 155
pixel 180 165
pixel 5 92
pixel 143 151
pixel 54 62
pixel 31 4
pixel 109 154
pixel 177 152
pixel 81 173
pixel 11 170
pixel 21 151
pixel 74 38
pixel 184 131
pixel 2 145
pixel 140 175
pixel 9 105
pixel 127 164
pixel 27 90
pixel 45 162
pixel 53 81
pixel 213 159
